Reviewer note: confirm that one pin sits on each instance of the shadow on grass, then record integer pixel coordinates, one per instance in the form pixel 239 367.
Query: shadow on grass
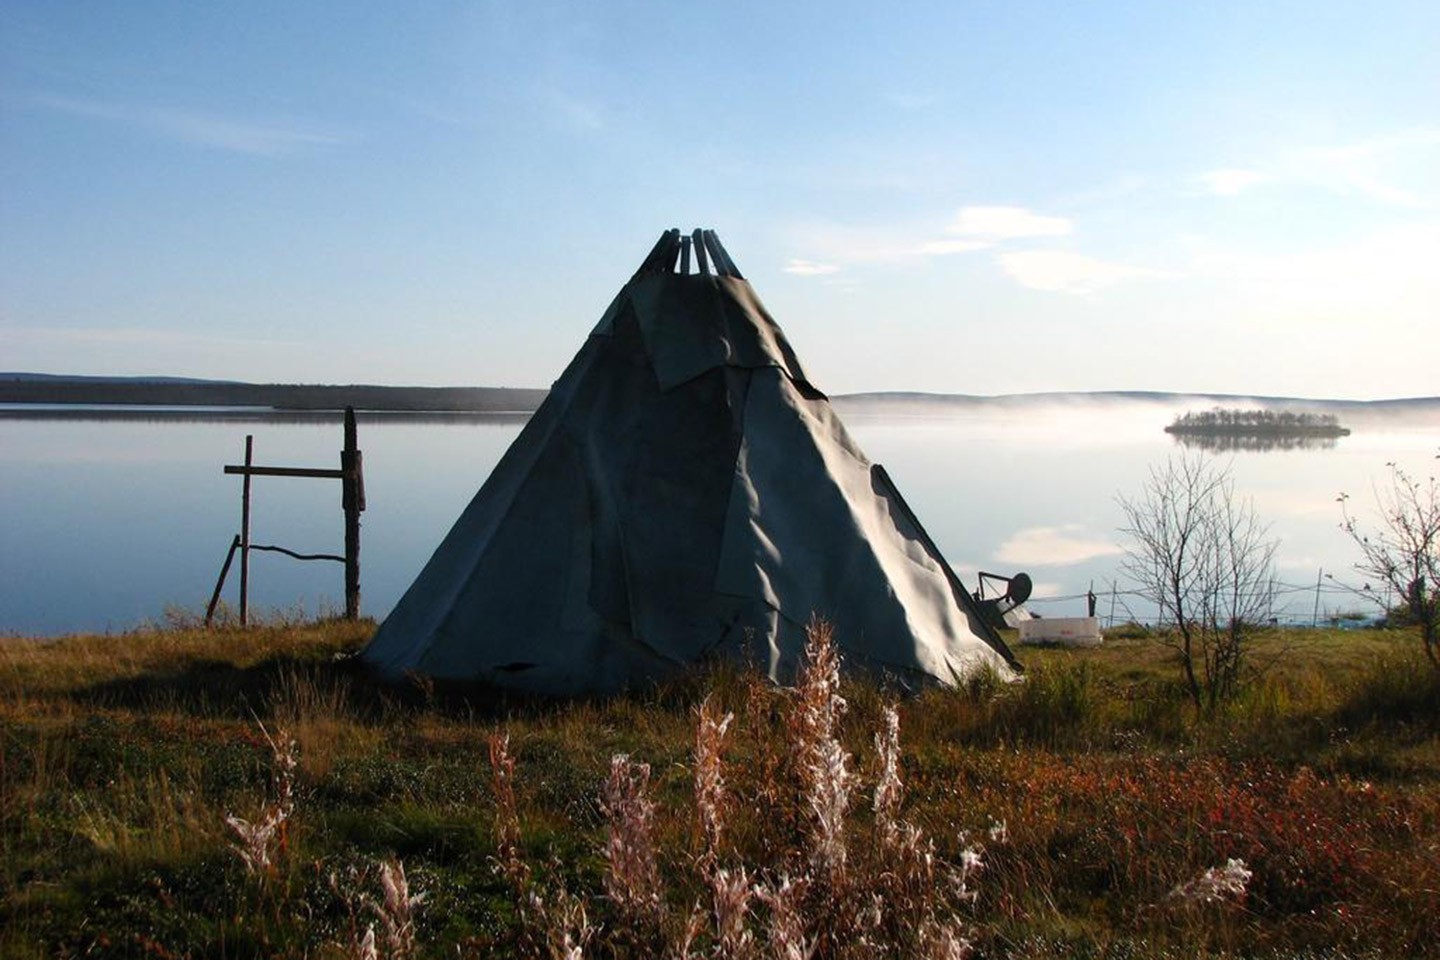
pixel 213 687
pixel 1395 693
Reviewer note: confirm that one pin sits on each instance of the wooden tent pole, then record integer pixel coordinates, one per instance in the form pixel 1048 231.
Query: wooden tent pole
pixel 698 241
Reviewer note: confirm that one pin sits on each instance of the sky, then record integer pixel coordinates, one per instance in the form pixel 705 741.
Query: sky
pixel 954 197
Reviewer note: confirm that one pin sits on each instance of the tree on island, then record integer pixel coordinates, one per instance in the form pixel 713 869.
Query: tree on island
pixel 1257 423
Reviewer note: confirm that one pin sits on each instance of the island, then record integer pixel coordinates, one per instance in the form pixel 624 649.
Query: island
pixel 1220 422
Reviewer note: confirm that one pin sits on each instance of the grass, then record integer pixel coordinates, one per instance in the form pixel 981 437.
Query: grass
pixel 121 758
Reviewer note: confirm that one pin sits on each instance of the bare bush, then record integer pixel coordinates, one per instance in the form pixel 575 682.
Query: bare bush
pixel 1206 562
pixel 1403 550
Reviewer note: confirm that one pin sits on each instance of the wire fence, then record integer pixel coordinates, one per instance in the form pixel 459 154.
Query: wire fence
pixel 1327 601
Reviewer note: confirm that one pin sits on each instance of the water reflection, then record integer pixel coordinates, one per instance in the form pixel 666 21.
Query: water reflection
pixel 107 516
pixel 75 413
pixel 1252 443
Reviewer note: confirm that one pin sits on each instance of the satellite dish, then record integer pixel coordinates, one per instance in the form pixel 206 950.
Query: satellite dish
pixel 1017 591
pixel 993 609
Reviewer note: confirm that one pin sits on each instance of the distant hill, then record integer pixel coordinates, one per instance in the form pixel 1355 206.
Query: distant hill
pixel 1109 396
pixel 179 392
pixel 913 403
pixel 41 388
pixel 71 378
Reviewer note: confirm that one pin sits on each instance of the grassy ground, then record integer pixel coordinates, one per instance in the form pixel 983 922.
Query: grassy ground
pixel 122 756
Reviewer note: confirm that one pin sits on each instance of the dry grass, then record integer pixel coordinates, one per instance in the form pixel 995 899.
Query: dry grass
pixel 776 822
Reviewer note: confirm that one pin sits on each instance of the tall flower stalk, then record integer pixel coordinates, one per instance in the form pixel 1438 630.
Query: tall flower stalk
pixel 710 734
pixel 261 843
pixel 632 879
pixel 824 769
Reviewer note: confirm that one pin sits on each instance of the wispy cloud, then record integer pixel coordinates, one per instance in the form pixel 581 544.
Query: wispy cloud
pixel 972 228
pixel 1006 223
pixel 1371 168
pixel 1062 271
pixel 1006 230
pixel 809 268
pixel 1054 546
pixel 1362 167
pixel 1231 182
pixel 264 139
pixel 837 246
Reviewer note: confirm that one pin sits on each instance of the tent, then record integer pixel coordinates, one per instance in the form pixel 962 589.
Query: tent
pixel 683 493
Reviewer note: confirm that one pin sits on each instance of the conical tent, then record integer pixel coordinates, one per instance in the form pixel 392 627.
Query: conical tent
pixel 683 493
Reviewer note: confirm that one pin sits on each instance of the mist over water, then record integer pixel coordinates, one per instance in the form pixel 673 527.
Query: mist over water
pixel 105 522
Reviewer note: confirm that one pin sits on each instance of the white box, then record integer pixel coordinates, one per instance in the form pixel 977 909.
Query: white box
pixel 1068 631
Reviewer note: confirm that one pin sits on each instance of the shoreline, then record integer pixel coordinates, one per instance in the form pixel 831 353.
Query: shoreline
pixel 33 394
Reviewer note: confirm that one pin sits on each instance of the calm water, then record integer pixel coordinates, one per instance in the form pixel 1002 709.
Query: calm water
pixel 105 523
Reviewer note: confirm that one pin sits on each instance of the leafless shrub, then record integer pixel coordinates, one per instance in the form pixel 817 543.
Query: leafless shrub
pixel 1403 551
pixel 1204 559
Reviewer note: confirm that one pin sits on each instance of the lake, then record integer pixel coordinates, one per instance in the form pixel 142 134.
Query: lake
pixel 107 520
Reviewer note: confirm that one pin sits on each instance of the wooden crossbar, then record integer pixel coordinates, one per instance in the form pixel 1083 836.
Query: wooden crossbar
pixel 242 470
pixel 352 500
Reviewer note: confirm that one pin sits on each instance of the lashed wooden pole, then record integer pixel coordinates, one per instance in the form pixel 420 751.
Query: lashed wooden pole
pixel 352 499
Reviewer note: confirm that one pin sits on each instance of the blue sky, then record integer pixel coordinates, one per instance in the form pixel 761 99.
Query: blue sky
pixel 953 197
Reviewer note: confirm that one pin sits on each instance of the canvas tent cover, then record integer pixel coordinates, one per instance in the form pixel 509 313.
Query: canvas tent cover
pixel 684 492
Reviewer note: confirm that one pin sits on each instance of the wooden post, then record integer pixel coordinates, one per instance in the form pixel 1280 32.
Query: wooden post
pixel 352 499
pixel 700 257
pixel 245 532
pixel 220 583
